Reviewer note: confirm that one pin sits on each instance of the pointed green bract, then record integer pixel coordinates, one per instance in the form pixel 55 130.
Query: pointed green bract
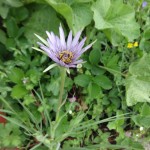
pixel 50 67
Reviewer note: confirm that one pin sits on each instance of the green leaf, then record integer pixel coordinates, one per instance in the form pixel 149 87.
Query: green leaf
pixel 82 80
pixel 62 8
pixel 80 19
pixel 142 121
pixel 138 84
pixel 18 92
pixel 4 9
pixel 103 81
pixel 16 75
pixel 10 43
pixel 144 43
pixel 108 16
pixel 10 135
pixel 145 110
pixel 28 99
pixel 74 15
pixel 34 75
pixel 131 144
pixel 2 37
pixel 114 35
pixel 43 19
pixel 94 56
pixel 14 3
pixel 94 90
pixel 54 86
pixel 20 13
pixel 12 28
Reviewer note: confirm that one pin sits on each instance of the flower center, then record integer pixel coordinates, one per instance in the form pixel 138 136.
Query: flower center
pixel 66 56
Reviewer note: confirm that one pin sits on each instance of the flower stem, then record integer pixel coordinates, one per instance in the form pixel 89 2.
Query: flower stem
pixel 63 75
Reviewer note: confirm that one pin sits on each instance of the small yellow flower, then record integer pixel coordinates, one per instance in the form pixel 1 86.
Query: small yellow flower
pixel 135 44
pixel 130 45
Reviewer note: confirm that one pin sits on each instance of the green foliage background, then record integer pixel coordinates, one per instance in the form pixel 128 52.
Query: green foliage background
pixel 115 80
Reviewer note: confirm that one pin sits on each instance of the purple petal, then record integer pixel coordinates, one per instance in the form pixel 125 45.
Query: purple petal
pixel 144 4
pixel 51 37
pixel 71 66
pixel 86 48
pixel 74 49
pixel 43 47
pixel 79 53
pixel 51 45
pixel 77 62
pixel 46 49
pixel 76 56
pixel 76 38
pixel 62 38
pixel 79 46
pixel 49 52
pixel 69 40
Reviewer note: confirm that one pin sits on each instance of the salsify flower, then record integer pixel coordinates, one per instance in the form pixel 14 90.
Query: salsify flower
pixel 144 4
pixel 65 53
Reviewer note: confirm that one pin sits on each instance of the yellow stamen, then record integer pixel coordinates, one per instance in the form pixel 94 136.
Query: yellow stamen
pixel 66 56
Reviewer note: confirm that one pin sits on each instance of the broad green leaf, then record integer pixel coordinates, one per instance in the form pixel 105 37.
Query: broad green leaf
pixel 117 123
pixel 80 19
pixel 20 13
pixel 82 80
pixel 83 1
pixel 31 1
pixel 94 90
pixel 73 14
pixel 42 20
pixel 28 99
pixel 137 90
pixel 142 121
pixel 94 56
pixel 54 86
pixel 138 83
pixel 100 9
pixel 14 3
pixel 4 9
pixel 114 35
pixel 131 144
pixel 10 43
pixel 144 43
pixel 103 81
pixel 62 8
pixel 115 16
pixel 2 37
pixel 16 75
pixel 145 110
pixel 18 92
pixel 10 135
pixel 12 28
pixel 34 75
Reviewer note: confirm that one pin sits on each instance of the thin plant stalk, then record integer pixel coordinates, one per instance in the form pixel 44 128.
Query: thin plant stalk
pixel 61 92
pixel 63 76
